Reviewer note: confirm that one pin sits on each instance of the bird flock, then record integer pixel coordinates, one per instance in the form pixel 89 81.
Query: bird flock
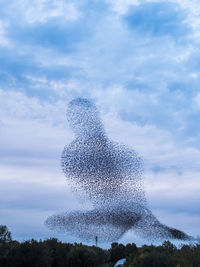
pixel 110 176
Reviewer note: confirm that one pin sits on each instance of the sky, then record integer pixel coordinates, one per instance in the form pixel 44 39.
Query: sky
pixel 138 60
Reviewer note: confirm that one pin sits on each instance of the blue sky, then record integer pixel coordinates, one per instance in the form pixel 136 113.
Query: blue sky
pixel 138 60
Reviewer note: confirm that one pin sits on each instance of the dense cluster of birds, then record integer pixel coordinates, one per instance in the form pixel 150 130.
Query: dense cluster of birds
pixel 109 175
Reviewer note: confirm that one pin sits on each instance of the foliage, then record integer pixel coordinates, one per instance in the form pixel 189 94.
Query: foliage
pixel 5 238
pixel 53 253
pixel 5 235
pixel 119 251
pixel 153 259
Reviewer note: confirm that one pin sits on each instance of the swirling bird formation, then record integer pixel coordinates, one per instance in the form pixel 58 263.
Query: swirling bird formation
pixel 109 175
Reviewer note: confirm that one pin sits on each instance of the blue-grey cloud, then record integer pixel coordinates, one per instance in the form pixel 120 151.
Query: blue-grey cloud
pixel 158 19
pixel 53 34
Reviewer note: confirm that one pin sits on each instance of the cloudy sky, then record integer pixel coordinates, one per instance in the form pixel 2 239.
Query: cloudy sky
pixel 139 61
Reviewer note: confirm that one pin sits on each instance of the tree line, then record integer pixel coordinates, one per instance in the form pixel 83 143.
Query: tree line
pixel 54 253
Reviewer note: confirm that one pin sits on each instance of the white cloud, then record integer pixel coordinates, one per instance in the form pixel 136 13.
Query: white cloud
pixel 121 6
pixel 196 100
pixel 193 14
pixel 4 41
pixel 40 11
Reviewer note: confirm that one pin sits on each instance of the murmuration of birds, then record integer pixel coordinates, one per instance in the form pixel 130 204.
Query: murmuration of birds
pixel 110 176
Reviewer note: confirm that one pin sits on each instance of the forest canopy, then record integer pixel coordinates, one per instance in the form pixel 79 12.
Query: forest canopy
pixel 54 253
